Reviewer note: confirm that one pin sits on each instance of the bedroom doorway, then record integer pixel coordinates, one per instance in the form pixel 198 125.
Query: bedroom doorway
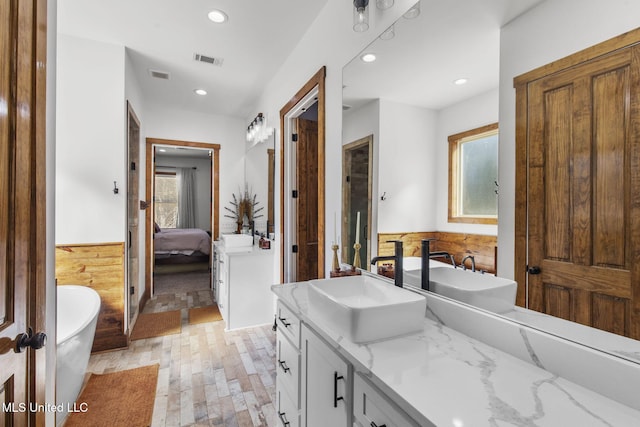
pixel 196 165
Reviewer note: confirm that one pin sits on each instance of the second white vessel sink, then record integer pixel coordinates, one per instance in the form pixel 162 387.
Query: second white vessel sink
pixel 237 240
pixel 485 291
pixel 363 308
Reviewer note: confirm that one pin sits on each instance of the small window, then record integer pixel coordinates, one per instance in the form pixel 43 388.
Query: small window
pixel 473 176
pixel 166 199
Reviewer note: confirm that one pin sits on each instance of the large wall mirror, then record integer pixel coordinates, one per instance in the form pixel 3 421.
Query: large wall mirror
pixel 406 93
pixel 259 177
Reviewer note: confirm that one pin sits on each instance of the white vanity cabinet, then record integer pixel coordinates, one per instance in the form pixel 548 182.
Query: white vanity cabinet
pixel 220 280
pixel 287 367
pixel 316 386
pixel 372 408
pixel 326 384
pixel 242 286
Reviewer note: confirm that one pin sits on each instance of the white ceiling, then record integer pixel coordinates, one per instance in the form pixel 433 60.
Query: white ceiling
pixel 164 35
pixel 448 40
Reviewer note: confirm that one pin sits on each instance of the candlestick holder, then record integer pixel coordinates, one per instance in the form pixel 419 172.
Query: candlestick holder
pixel 356 255
pixel 336 264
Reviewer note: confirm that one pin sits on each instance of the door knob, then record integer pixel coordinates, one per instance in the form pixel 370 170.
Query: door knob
pixel 29 339
pixel 534 270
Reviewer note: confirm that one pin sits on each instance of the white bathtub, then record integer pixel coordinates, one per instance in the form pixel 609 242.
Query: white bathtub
pixel 77 315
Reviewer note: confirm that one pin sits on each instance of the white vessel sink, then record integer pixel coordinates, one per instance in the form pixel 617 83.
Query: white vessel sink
pixel 236 240
pixel 363 308
pixel 485 291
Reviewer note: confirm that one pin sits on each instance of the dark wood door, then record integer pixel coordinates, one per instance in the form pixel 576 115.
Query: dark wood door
pixel 584 193
pixel 22 205
pixel 307 209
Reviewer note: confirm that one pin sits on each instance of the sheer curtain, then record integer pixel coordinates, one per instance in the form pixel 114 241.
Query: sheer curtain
pixel 186 198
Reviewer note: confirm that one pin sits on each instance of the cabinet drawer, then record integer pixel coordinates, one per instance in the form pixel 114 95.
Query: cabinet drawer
pixel 287 411
pixel 288 324
pixel 288 366
pixel 372 408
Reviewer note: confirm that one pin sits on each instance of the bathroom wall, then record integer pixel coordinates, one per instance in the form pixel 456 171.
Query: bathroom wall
pixel 469 114
pixel 169 123
pixel 407 168
pixel 548 32
pixel 330 41
pixel 94 81
pixel 415 151
pixel 90 142
pixel 359 123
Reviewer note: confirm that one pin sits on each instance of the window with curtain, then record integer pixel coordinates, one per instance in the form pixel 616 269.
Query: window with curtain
pixel 186 197
pixel 473 176
pixel 166 199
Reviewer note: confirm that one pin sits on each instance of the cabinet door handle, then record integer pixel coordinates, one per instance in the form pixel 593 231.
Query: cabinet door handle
pixel 284 321
pixel 283 419
pixel 283 365
pixel 336 398
pixel 373 424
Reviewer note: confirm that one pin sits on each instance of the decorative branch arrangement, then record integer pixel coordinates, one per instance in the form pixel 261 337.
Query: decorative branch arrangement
pixel 243 205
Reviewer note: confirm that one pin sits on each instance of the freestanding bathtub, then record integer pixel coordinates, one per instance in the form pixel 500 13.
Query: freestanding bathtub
pixel 77 315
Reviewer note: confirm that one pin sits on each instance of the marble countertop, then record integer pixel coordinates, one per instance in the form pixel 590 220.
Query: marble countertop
pixel 442 377
pixel 604 341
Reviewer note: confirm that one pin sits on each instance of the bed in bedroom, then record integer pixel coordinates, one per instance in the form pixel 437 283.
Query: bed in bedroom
pixel 181 246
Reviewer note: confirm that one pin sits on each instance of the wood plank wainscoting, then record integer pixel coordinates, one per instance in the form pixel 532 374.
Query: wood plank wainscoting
pixel 482 247
pixel 99 266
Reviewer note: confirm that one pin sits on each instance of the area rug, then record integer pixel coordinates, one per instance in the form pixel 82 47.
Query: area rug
pixel 210 313
pixel 151 325
pixel 123 398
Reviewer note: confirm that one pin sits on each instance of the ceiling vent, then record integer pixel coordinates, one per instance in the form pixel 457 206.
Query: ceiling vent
pixel 208 59
pixel 159 74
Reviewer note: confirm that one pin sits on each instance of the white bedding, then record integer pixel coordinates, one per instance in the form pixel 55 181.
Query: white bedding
pixel 181 241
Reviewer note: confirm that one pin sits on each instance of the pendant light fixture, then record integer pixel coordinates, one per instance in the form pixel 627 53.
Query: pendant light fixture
pixel 360 15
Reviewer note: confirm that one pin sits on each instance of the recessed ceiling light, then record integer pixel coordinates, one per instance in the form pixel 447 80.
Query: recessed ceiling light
pixel 201 92
pixel 460 81
pixel 218 16
pixel 368 57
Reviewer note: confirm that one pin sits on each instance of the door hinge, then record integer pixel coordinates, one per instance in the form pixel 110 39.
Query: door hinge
pixel 348 178
pixel 133 166
pixel 132 290
pixel 294 137
pixel 294 249
pixel 294 194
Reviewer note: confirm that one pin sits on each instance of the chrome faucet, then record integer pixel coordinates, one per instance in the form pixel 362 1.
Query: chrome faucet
pixel 396 258
pixel 443 254
pixel 473 263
